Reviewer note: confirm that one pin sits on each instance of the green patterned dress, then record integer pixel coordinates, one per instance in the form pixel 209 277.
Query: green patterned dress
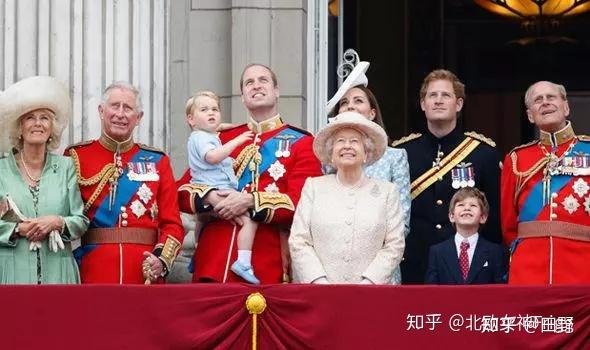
pixel 56 194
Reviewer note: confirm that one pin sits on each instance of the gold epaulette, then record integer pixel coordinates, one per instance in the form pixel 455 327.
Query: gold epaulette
pixel 405 139
pixel 82 143
pixel 534 142
pixel 481 138
pixel 151 148
pixel 585 138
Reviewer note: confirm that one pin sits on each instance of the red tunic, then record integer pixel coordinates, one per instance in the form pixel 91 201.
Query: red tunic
pixel 144 202
pixel 217 248
pixel 546 256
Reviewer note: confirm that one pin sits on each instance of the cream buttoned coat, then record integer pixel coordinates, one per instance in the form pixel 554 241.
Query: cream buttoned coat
pixel 346 234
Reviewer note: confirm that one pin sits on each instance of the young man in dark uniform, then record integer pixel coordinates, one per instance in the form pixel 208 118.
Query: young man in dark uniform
pixel 442 160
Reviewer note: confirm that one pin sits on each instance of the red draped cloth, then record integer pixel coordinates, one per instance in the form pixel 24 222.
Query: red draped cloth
pixel 296 317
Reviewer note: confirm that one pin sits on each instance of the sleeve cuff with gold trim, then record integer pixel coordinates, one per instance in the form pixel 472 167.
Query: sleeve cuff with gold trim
pixel 197 193
pixel 265 204
pixel 167 253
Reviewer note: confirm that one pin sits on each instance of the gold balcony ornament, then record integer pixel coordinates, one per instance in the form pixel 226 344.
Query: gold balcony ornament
pixel 255 304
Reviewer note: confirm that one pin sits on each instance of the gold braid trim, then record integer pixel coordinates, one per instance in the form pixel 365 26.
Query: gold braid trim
pixel 269 215
pixel 271 201
pixel 244 158
pixel 98 189
pixel 101 178
pixel 92 180
pixel 195 190
pixel 169 251
pixel 405 139
pixel 522 177
pixel 451 160
pixel 481 138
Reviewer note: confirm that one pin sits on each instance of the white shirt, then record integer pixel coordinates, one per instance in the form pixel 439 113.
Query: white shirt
pixel 472 243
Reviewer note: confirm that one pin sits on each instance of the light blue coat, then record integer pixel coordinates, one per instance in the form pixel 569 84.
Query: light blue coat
pixel 393 167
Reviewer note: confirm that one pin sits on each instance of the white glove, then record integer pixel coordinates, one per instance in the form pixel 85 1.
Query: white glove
pixel 55 241
pixel 34 245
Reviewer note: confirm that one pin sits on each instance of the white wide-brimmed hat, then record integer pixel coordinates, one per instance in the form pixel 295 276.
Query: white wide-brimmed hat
pixel 30 94
pixel 355 78
pixel 356 121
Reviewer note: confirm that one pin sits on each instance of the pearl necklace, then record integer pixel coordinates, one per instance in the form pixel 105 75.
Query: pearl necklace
pixel 22 158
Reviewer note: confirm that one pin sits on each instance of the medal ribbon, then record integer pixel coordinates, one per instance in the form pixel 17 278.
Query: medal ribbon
pixel 447 163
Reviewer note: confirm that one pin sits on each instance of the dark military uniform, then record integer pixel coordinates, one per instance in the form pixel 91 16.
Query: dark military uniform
pixel 438 167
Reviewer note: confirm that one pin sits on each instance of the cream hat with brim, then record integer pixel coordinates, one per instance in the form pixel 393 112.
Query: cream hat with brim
pixel 355 78
pixel 31 94
pixel 356 121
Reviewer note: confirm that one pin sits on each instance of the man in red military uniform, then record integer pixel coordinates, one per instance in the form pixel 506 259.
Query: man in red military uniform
pixel 545 196
pixel 271 172
pixel 130 198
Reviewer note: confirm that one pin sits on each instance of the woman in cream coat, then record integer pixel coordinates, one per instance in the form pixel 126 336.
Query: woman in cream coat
pixel 354 95
pixel 348 228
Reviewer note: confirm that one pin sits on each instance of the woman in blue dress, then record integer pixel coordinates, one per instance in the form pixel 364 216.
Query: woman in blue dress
pixel 353 95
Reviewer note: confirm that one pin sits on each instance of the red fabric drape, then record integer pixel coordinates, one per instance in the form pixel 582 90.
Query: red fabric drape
pixel 296 317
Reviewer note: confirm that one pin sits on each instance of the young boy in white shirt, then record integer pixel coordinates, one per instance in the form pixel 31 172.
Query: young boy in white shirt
pixel 467 258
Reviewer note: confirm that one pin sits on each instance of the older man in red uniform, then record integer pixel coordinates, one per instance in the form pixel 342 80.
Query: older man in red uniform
pixel 130 197
pixel 271 172
pixel 545 196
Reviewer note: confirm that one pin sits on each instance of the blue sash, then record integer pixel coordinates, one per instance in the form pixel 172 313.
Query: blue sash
pixel 125 191
pixel 267 151
pixel 533 205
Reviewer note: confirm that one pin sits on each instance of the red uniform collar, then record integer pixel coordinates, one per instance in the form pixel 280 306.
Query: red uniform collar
pixel 265 125
pixel 115 146
pixel 559 137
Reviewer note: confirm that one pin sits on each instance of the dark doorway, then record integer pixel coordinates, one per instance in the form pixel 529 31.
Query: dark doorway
pixel 404 40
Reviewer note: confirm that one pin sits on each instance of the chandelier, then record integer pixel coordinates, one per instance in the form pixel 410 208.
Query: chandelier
pixel 536 11
pixel 540 18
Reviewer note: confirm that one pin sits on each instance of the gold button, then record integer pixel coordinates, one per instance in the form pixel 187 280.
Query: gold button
pixel 124 215
pixel 554 195
pixel 438 226
pixel 440 178
pixel 439 202
pixel 123 209
pixel 554 216
pixel 554 205
pixel 124 223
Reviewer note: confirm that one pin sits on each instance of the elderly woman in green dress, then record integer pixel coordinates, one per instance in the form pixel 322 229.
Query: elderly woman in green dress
pixel 41 207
